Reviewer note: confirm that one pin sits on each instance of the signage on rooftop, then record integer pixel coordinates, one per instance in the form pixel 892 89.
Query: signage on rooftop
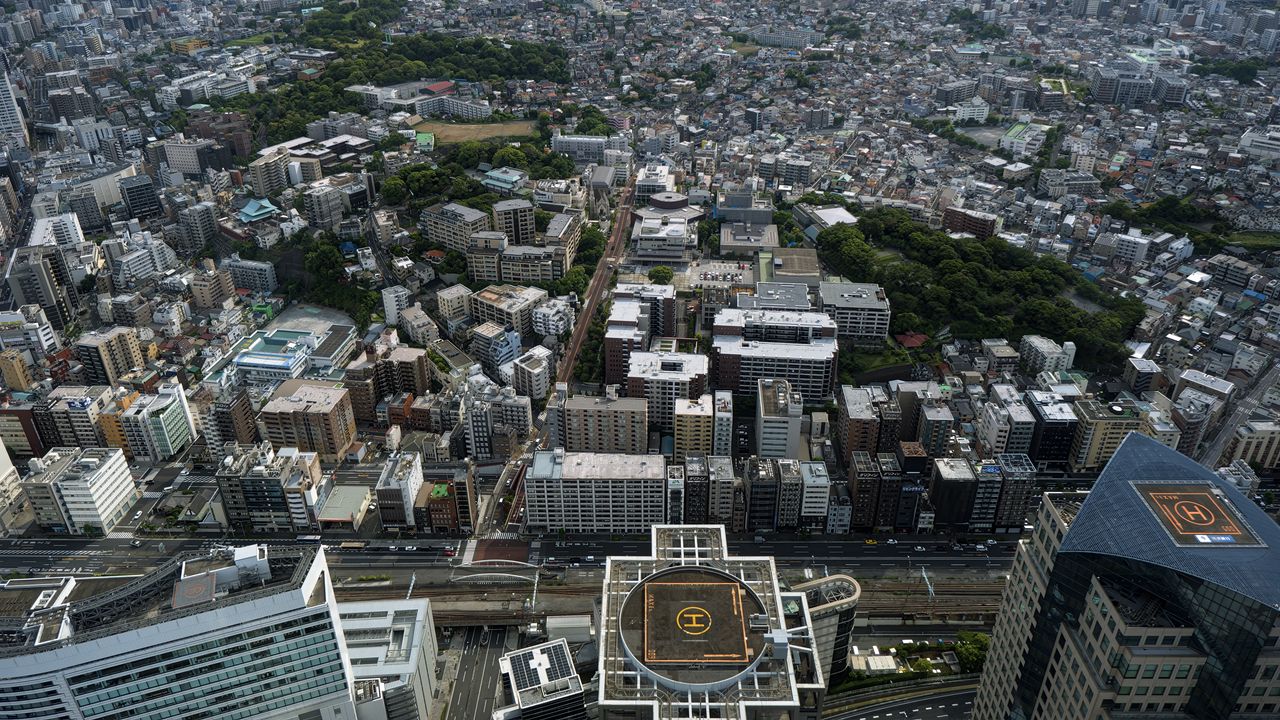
pixel 1196 515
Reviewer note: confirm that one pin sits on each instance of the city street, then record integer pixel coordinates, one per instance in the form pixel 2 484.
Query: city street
pixel 947 706
pixel 1245 406
pixel 474 692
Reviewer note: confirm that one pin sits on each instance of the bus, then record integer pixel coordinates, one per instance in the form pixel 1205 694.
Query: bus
pixel 353 545
pixel 309 538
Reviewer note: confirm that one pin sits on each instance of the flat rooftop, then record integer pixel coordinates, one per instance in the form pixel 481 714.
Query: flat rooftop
pixel 1195 514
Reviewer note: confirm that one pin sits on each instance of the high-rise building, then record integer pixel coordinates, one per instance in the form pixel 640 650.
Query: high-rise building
pixel 1257 442
pixel 694 428
pixel 595 492
pixel 109 354
pixel 664 377
pixel 248 633
pixel 68 416
pixel 1038 354
pixel 1152 595
pixel 80 491
pixel 800 347
pixel 858 424
pixel 779 413
pixel 1102 427
pixel 15 371
pixel 140 197
pixel 392 649
pixel 255 275
pixel 40 276
pixel 394 300
pixel 269 174
pixel 199 227
pixel 324 207
pixel 268 491
pixel 722 433
pixel 756 654
pixel 382 371
pixel 12 124
pixel 313 417
pixel 533 373
pixel 860 310
pixel 514 218
pixel 158 427
pixel 1055 431
pixel 10 489
pixel 833 605
pixel 506 305
pixel 541 684
pixel 452 225
pixel 211 286
pixel 606 424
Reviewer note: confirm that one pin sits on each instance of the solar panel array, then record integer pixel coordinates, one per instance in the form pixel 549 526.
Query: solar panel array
pixel 554 657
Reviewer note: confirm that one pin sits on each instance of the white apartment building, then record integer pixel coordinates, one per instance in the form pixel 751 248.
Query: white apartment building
pixel 248 633
pixel 815 497
pixel 586 149
pixel 1038 354
pixel 861 310
pixel 80 491
pixel 722 440
pixel 595 492
pixel 394 300
pixel 553 317
pixel 534 372
pixel 664 377
pixel 779 413
pixel 417 325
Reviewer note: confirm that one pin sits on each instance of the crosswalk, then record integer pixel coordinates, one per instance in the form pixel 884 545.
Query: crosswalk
pixel 120 535
pixel 25 552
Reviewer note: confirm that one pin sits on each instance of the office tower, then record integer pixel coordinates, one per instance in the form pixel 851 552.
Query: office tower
pixel 1056 425
pixel 607 424
pixel 760 484
pixel 1018 481
pixel 952 491
pixel 800 347
pixel 40 276
pixel 236 634
pixel 84 203
pixel 392 649
pixel 108 354
pixel 1004 423
pixel 211 286
pixel 833 605
pixel 722 432
pixel 860 310
pixel 452 225
pixel 15 371
pixel 675 494
pixel 12 123
pixel 158 427
pixel 541 684
pixel 1102 427
pixel 79 491
pixel 757 656
pixel 269 174
pixel 514 218
pixel 888 493
pixel 595 492
pixel 864 490
pixel 312 417
pixel 779 412
pixel 694 427
pixel 664 377
pixel 1152 594
pixel 857 422
pixel 267 491
pixel 140 197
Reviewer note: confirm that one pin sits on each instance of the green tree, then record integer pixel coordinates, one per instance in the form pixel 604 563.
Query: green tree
pixel 510 157
pixel 662 275
pixel 971 650
pixel 394 191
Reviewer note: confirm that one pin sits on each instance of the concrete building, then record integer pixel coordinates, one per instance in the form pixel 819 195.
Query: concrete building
pixel 1257 442
pixel 79 491
pixel 1102 427
pixel 394 300
pixel 514 218
pixel 267 491
pixel 534 372
pixel 15 371
pixel 860 310
pixel 391 645
pixel 1112 584
pixel 722 432
pixel 109 354
pixel 313 417
pixel 760 658
pixel 1039 354
pixel 595 492
pixel 608 424
pixel 384 370
pixel 664 377
pixel 506 305
pixel 694 429
pixel 158 427
pixel 800 347
pixel 540 682
pixel 857 422
pixel 779 412
pixel 211 286
pixel 496 347
pixel 255 275
pixel 452 225
pixel 269 174
pixel 833 605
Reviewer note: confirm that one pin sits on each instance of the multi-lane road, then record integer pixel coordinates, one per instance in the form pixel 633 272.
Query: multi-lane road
pixel 1244 407
pixel 474 695
pixel 943 706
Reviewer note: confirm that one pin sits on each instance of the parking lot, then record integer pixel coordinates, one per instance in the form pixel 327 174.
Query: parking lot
pixel 719 273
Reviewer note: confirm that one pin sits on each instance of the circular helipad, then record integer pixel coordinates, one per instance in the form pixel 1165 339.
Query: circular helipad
pixel 692 626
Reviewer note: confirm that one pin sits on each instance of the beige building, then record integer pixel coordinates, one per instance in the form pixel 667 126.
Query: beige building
pixel 608 424
pixel 514 218
pixel 311 416
pixel 506 305
pixel 694 427
pixel 1101 429
pixel 1257 442
pixel 108 354
pixel 15 370
pixel 211 286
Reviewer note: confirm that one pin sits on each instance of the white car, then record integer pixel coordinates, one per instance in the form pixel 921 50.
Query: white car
pixel 891 541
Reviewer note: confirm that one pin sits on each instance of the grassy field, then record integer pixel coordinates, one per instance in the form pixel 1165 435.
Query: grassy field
pixel 258 39
pixel 744 49
pixel 447 132
pixel 1255 241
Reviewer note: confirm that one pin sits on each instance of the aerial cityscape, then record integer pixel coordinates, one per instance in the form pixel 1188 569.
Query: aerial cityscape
pixel 591 360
